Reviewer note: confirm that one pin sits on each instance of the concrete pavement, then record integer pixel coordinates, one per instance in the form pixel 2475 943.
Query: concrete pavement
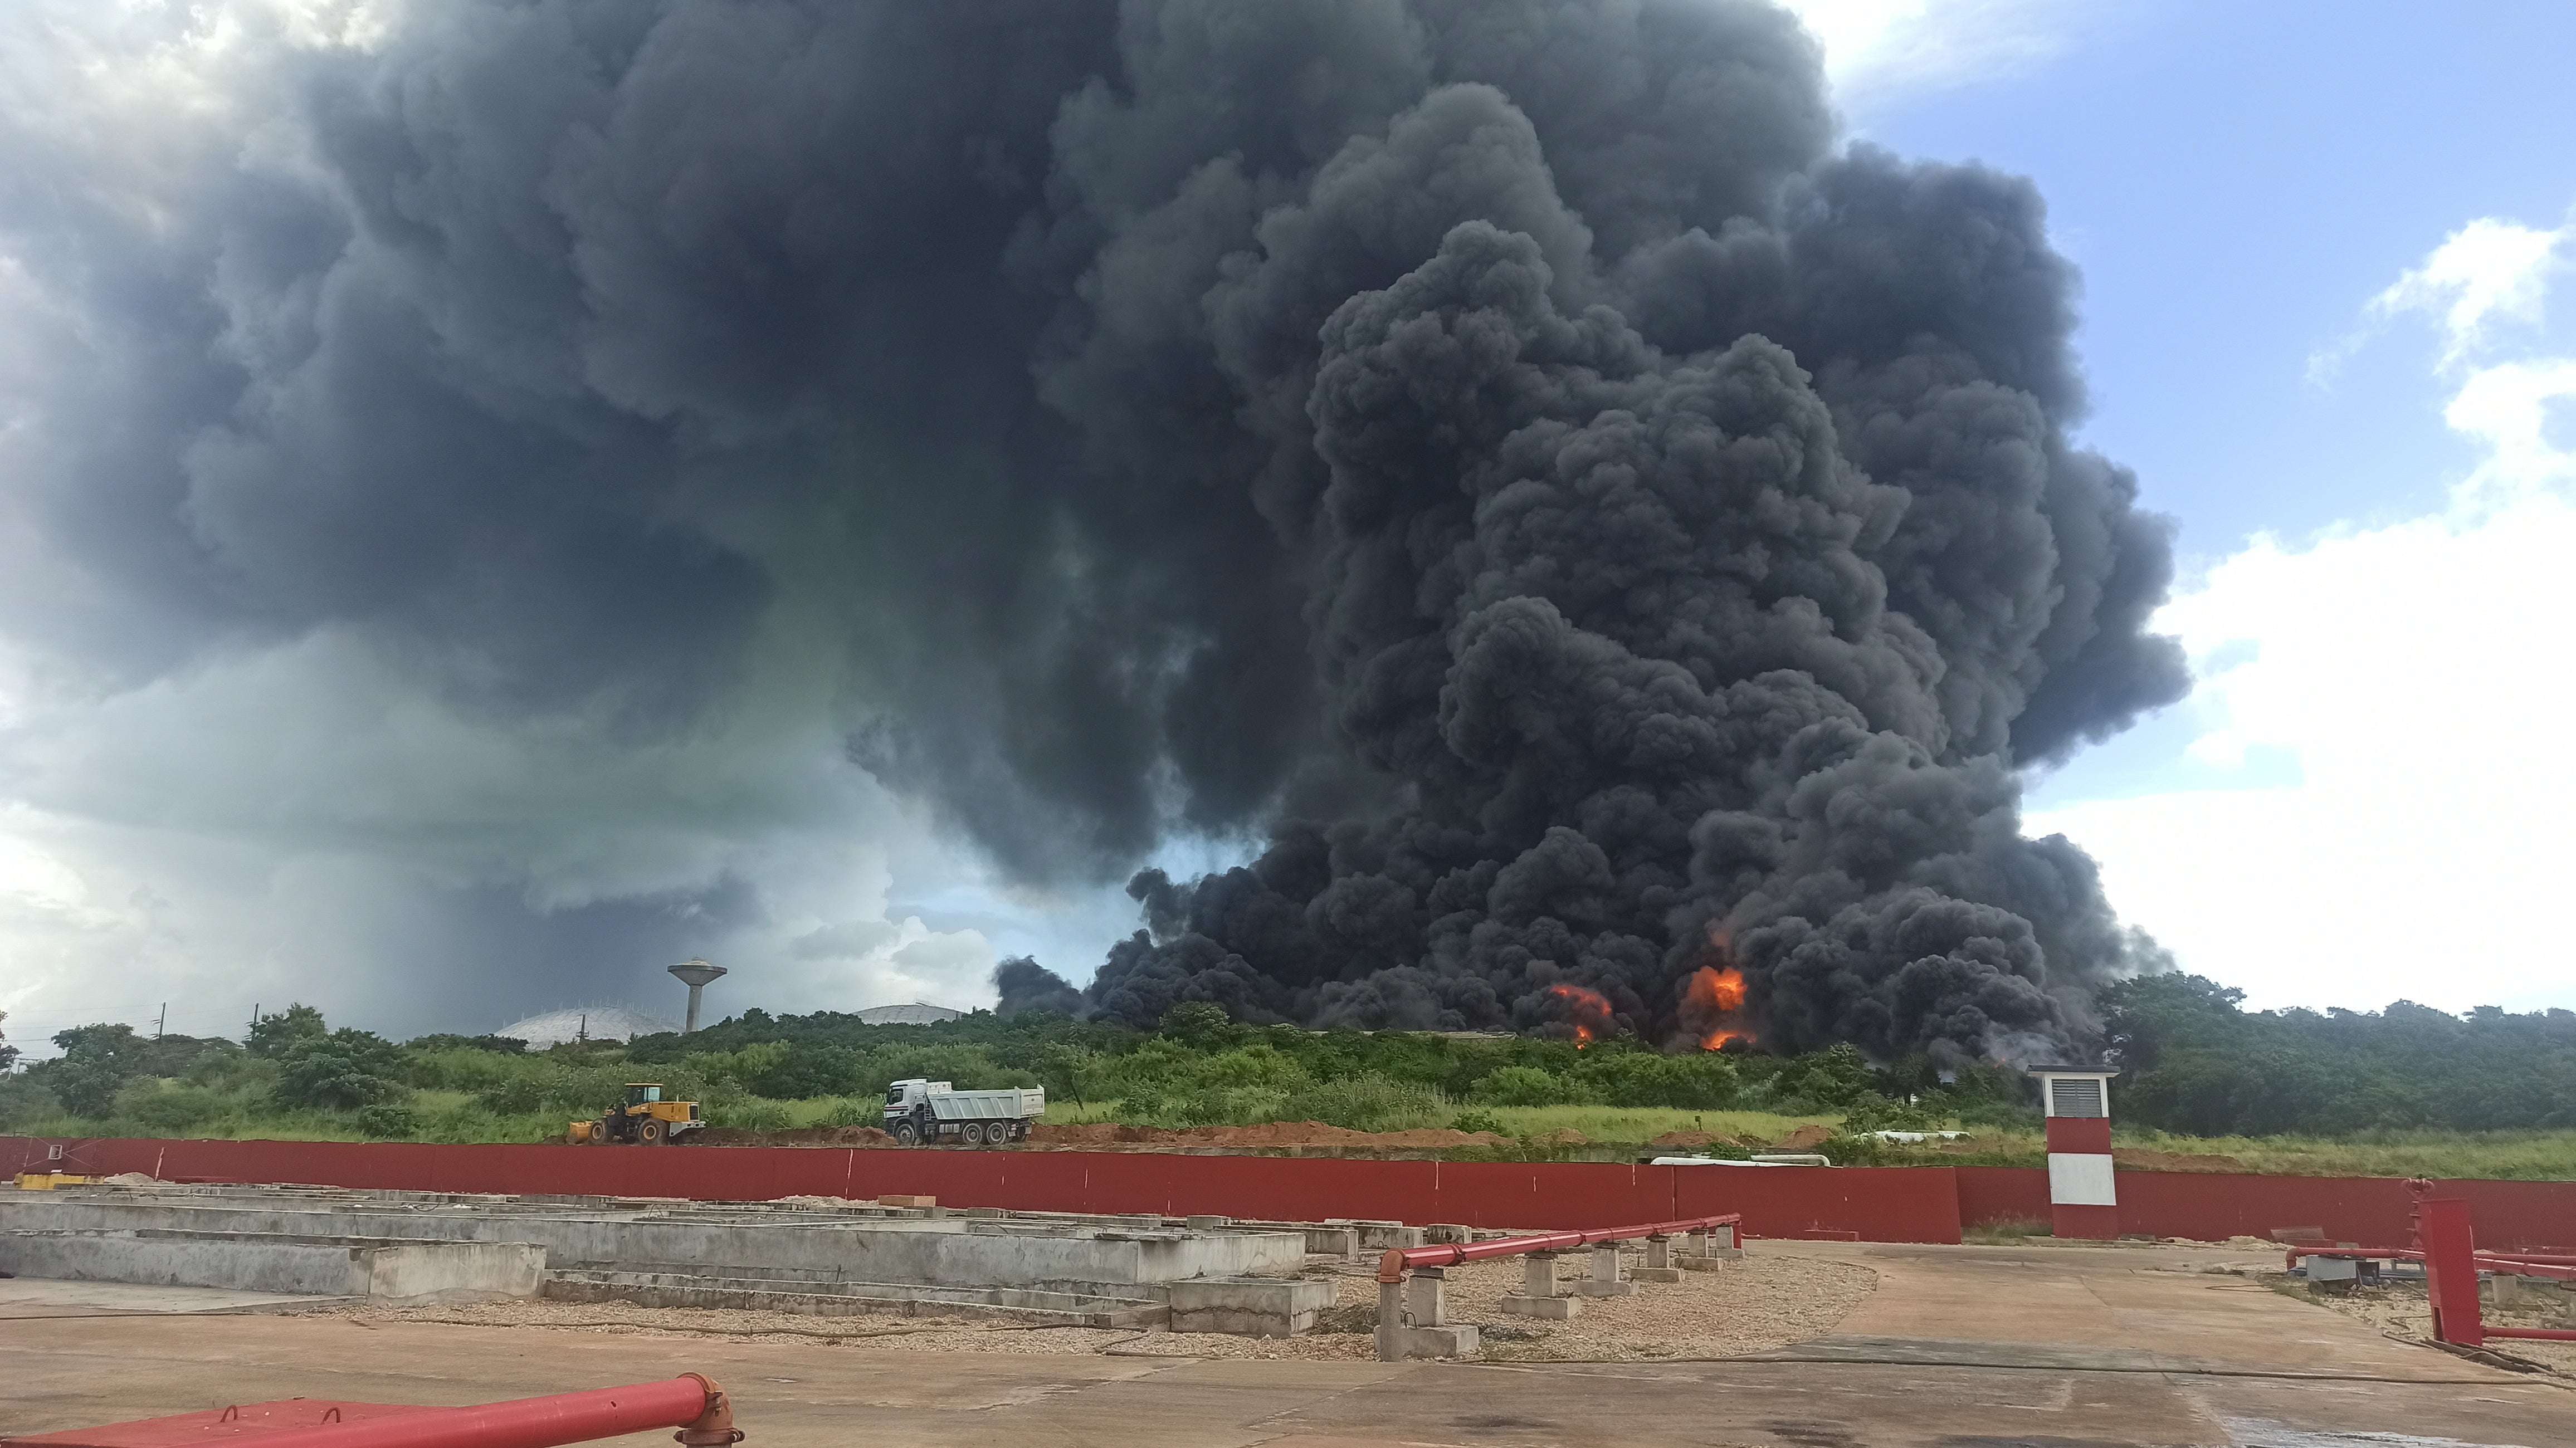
pixel 2047 1347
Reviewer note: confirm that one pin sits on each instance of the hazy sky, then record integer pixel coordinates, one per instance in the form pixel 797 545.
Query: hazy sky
pixel 2330 318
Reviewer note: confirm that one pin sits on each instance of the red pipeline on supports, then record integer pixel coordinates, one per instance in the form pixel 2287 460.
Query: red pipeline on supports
pixel 690 1402
pixel 1399 1260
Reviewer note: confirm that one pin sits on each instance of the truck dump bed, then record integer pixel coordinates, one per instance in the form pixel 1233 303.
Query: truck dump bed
pixel 1011 1103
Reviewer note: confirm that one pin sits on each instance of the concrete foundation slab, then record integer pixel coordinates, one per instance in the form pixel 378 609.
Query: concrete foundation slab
pixel 1252 1306
pixel 323 1267
pixel 933 1251
pixel 26 1298
pixel 1388 1236
pixel 1432 1342
pixel 1554 1309
pixel 818 1298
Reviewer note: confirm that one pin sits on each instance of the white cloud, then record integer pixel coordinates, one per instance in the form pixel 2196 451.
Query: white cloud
pixel 2487 273
pixel 2418 675
pixel 1877 48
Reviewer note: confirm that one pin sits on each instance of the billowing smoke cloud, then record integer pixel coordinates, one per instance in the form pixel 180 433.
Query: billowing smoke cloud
pixel 1502 449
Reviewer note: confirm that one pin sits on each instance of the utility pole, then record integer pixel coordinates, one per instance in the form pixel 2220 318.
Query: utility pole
pixel 254 1023
pixel 162 1022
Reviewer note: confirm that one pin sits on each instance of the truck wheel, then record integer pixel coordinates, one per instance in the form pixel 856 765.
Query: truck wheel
pixel 905 1134
pixel 974 1133
pixel 650 1133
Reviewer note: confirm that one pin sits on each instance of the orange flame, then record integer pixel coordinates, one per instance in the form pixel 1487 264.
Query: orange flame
pixel 1717 990
pixel 1716 993
pixel 1586 1002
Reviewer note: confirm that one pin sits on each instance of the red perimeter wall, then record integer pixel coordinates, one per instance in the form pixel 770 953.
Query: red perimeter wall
pixel 1878 1204
pixel 1874 1204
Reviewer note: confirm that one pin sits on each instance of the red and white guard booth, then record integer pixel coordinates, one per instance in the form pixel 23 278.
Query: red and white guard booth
pixel 2083 1197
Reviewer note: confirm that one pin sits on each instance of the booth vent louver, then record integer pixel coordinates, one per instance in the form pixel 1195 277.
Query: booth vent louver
pixel 2075 1098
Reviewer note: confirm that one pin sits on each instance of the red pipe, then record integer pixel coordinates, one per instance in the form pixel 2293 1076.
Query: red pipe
pixel 2484 1261
pixel 533 1422
pixel 1399 1260
pixel 689 1402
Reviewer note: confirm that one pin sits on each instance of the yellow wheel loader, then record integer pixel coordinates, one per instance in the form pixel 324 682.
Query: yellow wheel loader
pixel 642 1118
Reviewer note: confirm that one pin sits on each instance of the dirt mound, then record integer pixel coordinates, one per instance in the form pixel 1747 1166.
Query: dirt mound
pixel 1089 1133
pixel 1805 1138
pixel 2172 1160
pixel 795 1136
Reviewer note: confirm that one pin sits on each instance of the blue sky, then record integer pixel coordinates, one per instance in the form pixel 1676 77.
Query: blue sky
pixel 2236 181
pixel 2367 796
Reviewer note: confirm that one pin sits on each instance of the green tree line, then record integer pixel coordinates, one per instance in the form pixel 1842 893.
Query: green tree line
pixel 2193 1062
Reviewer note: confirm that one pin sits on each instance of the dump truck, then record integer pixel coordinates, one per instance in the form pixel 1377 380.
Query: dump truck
pixel 641 1118
pixel 918 1111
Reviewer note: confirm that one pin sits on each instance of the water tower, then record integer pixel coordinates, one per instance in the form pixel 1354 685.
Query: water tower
pixel 696 973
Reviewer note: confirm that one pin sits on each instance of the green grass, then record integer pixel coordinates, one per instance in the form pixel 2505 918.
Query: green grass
pixel 452 1116
pixel 1617 1125
pixel 2486 1156
pixel 1068 1113
pixel 1637 1125
pixel 2494 1156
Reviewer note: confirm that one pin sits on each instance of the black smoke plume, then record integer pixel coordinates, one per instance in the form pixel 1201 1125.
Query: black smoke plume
pixel 1505 450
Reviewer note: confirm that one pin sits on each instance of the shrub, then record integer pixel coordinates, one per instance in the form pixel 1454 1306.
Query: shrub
pixel 275 1035
pixel 1700 1082
pixel 95 1064
pixel 498 1045
pixel 803 1071
pixel 162 1105
pixel 853 1111
pixel 969 1068
pixel 23 1101
pixel 343 1069
pixel 1880 1114
pixel 751 1114
pixel 1151 1105
pixel 1833 1078
pixel 1199 1025
pixel 1851 1150
pixel 389 1123
pixel 1528 1086
pixel 1369 1102
pixel 1480 1121
pixel 227 1067
pixel 468 1068
pixel 552 1088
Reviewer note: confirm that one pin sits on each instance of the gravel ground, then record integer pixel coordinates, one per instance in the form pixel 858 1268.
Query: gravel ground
pixel 1759 1303
pixel 2401 1310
